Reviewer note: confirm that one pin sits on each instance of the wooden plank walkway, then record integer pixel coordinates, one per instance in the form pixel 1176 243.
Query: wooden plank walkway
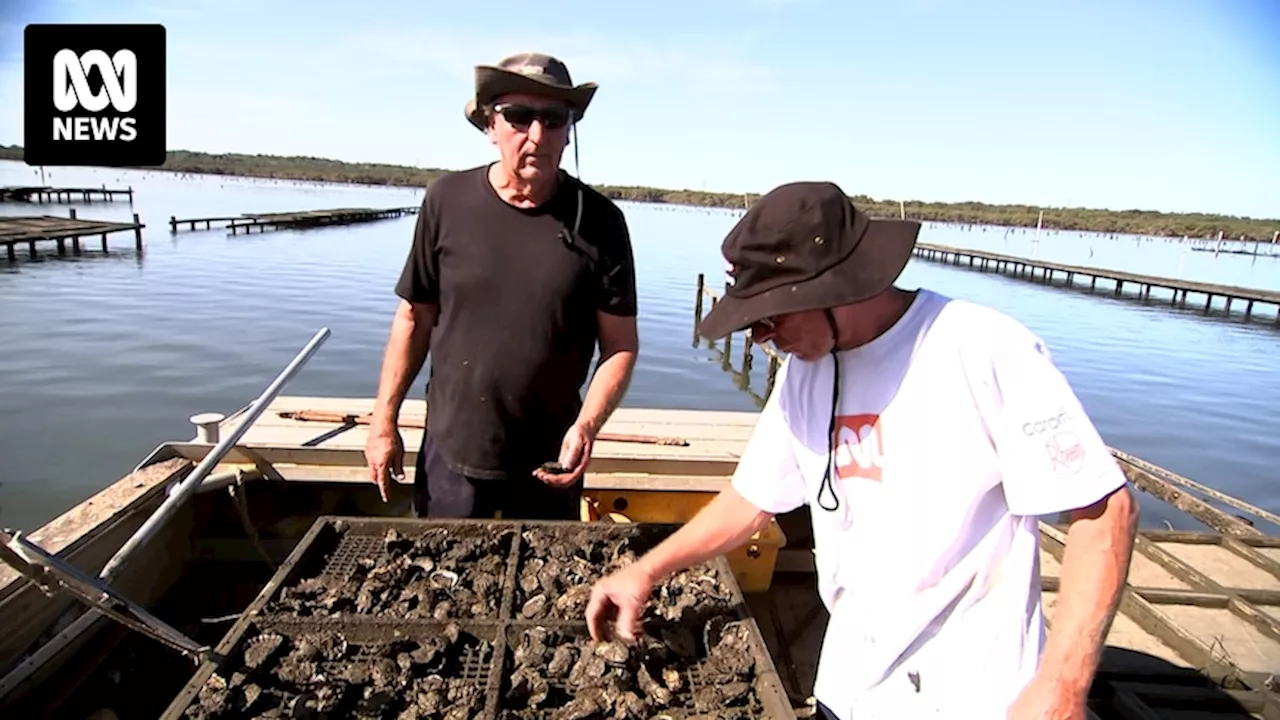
pixel 1023 267
pixel 48 194
pixel 262 222
pixel 1199 621
pixel 47 228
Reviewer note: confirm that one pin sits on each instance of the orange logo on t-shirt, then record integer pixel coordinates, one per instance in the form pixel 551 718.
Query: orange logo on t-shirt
pixel 859 450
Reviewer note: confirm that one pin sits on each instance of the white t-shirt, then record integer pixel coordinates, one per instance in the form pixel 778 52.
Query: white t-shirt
pixel 954 432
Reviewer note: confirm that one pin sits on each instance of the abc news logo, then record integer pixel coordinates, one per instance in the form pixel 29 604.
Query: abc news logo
pixel 95 95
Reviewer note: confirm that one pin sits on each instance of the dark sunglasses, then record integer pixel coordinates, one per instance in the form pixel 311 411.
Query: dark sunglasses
pixel 522 116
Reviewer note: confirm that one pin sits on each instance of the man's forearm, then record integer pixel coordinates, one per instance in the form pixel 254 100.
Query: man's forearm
pixel 406 352
pixel 1095 565
pixel 608 385
pixel 724 524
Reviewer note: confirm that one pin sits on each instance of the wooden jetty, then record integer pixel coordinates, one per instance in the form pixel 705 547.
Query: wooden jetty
pixel 46 228
pixel 47 194
pixel 748 344
pixel 262 222
pixel 1028 268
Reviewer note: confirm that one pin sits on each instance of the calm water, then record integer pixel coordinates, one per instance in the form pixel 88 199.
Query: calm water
pixel 103 358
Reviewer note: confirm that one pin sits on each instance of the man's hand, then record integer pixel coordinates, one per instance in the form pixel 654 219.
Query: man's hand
pixel 575 452
pixel 1044 700
pixel 384 453
pixel 617 602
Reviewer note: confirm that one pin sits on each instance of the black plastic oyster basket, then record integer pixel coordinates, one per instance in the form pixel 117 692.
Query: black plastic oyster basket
pixel 390 587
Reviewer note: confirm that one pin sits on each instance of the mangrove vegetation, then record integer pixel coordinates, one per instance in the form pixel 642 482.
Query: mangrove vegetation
pixel 1143 222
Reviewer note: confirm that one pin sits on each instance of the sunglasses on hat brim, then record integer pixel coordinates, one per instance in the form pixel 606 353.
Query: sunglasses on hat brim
pixel 522 116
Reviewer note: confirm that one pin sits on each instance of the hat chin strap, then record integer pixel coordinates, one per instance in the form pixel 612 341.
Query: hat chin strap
pixel 576 169
pixel 827 484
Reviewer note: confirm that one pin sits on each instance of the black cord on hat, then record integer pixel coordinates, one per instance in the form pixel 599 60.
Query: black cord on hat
pixel 576 168
pixel 831 426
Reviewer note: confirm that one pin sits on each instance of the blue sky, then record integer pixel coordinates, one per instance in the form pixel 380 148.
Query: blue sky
pixel 1163 105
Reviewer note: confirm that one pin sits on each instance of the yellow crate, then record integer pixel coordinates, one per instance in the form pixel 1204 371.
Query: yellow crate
pixel 752 563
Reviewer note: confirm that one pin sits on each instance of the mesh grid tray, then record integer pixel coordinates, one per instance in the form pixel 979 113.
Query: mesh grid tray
pixel 337 548
pixel 361 669
pixel 557 563
pixel 698 694
pixel 346 568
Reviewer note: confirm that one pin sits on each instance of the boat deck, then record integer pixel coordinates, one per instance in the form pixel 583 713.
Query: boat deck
pixel 715 442
pixel 1199 606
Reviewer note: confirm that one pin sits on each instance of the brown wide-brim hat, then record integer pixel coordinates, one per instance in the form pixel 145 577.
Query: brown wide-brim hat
pixel 531 74
pixel 804 246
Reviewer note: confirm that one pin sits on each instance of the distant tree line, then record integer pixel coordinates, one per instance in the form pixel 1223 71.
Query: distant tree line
pixel 1143 222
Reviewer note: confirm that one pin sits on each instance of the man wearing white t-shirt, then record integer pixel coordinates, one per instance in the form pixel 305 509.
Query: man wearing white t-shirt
pixel 927 435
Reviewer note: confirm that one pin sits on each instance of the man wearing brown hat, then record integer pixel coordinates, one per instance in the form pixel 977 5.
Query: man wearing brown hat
pixel 926 435
pixel 517 275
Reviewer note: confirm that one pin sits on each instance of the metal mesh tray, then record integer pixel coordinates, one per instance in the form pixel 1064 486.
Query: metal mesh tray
pixel 337 548
pixel 558 562
pixel 389 570
pixel 701 690
pixel 328 670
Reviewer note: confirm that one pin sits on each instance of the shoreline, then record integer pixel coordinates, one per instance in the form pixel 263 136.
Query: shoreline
pixel 1205 226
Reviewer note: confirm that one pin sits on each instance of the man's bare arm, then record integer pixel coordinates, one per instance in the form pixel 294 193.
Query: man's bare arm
pixel 406 351
pixel 1095 566
pixel 619 345
pixel 725 524
pixel 617 601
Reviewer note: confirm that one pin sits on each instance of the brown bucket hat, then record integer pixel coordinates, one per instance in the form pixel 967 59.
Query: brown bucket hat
pixel 530 73
pixel 804 246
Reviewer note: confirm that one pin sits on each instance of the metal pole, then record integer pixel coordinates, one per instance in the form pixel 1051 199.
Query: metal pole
pixel 192 481
pixel 85 620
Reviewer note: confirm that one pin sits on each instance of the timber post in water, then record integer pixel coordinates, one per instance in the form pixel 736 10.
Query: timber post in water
pixel 725 349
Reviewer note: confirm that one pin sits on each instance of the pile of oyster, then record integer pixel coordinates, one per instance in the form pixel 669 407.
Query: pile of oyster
pixel 441 575
pixel 558 566
pixel 562 674
pixel 322 675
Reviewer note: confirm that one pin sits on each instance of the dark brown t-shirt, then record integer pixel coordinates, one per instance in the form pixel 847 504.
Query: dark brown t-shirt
pixel 518 292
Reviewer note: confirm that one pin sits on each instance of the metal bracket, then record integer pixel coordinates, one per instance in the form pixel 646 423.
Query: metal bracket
pixel 52 574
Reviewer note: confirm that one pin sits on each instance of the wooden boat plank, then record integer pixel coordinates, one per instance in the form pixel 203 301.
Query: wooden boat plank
pixel 1125 634
pixel 88 536
pixel 792 621
pixel 1222 565
pixel 269 458
pixel 1143 572
pixel 627 424
pixel 353 439
pixel 1229 636
pixel 619 481
pixel 71 531
pixel 417 407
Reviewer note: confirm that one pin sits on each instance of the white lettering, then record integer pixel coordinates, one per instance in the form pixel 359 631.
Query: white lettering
pixel 119 80
pixel 867 454
pixel 94 128
pixel 1032 429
